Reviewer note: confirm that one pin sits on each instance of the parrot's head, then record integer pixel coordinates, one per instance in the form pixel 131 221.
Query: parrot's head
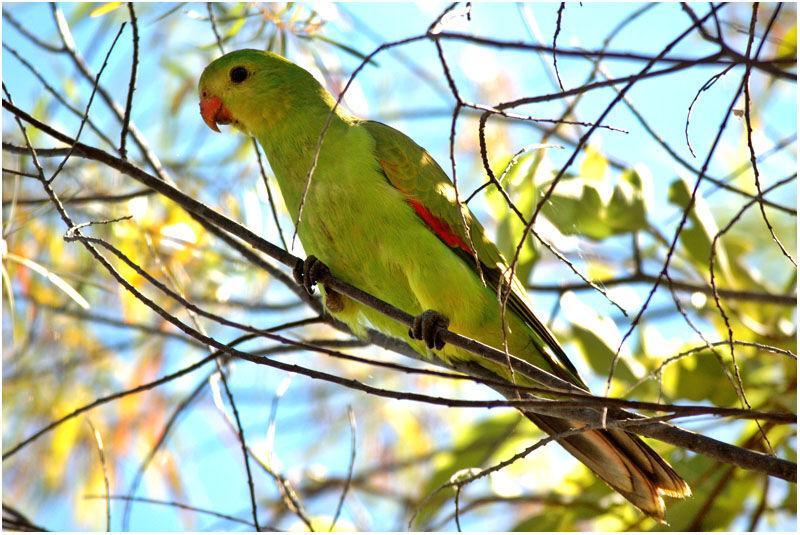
pixel 252 90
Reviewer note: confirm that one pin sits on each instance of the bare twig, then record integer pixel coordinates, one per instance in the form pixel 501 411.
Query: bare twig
pixel 88 104
pixel 99 442
pixel 213 21
pixel 644 278
pixel 83 67
pixel 271 200
pixel 180 506
pixel 162 438
pixel 352 418
pixel 705 87
pixel 751 148
pixel 83 199
pixel 58 96
pixel 561 7
pixel 123 136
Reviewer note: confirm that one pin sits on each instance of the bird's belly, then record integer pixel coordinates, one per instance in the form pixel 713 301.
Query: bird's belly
pixel 372 238
pixel 360 232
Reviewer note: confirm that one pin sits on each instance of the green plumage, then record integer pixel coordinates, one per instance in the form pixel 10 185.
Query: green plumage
pixel 382 215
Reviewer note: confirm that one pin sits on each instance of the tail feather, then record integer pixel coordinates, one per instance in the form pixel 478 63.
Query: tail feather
pixel 663 476
pixel 623 461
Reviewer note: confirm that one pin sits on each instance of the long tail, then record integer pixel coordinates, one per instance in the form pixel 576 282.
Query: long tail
pixel 623 461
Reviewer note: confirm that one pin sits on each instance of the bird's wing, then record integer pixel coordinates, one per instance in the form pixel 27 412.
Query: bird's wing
pixel 428 190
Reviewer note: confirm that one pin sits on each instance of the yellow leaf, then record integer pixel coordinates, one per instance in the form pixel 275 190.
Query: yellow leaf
pixel 788 44
pixel 62 442
pixel 599 271
pixel 594 164
pixel 105 8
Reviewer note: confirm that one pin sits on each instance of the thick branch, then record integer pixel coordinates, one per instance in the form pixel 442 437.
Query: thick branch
pixel 740 295
pixel 721 451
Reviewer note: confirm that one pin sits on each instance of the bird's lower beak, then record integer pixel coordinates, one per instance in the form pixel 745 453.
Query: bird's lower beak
pixel 214 112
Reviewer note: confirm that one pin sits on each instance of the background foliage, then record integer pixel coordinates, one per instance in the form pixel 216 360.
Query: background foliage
pixel 169 457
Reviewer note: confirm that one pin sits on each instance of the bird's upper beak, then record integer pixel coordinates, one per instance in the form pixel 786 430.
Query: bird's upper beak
pixel 214 111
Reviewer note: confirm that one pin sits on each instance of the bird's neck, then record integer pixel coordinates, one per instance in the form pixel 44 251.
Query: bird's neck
pixel 291 144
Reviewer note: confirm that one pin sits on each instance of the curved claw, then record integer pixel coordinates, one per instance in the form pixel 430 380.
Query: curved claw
pixel 297 272
pixel 309 271
pixel 428 327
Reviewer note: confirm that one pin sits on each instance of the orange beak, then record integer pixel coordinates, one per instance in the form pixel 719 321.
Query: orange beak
pixel 214 112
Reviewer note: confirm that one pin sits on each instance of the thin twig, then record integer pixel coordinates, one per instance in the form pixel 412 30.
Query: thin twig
pixel 769 65
pixel 183 506
pixel 162 438
pixel 99 442
pixel 105 399
pixel 644 278
pixel 69 48
pixel 58 95
pixel 88 105
pixel 713 250
pixel 685 215
pixel 271 200
pixel 35 40
pixel 751 148
pixel 213 21
pixel 123 136
pixel 352 419
pixel 561 7
pixel 101 198
pixel 243 444
pixel 705 87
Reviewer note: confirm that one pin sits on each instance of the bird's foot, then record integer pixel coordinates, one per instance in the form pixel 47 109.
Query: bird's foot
pixel 428 327
pixel 309 272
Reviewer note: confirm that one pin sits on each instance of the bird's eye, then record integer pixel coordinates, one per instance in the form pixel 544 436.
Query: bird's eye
pixel 238 75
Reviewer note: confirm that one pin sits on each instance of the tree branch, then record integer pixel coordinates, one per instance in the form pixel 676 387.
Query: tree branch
pixel 716 449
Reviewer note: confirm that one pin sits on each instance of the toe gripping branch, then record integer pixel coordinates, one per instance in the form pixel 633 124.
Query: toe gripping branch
pixel 309 272
pixel 428 327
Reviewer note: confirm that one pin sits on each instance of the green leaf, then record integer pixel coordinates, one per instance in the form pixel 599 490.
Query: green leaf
pixel 697 235
pixel 588 205
pixel 627 209
pixel 105 8
pixel 571 513
pixel 597 337
pixel 558 519
pixel 234 29
pixel 577 208
pixel 699 377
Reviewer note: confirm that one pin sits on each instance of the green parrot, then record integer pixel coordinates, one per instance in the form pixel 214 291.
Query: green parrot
pixel 382 215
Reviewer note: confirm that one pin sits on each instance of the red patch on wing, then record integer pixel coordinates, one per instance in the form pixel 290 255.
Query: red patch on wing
pixel 439 226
